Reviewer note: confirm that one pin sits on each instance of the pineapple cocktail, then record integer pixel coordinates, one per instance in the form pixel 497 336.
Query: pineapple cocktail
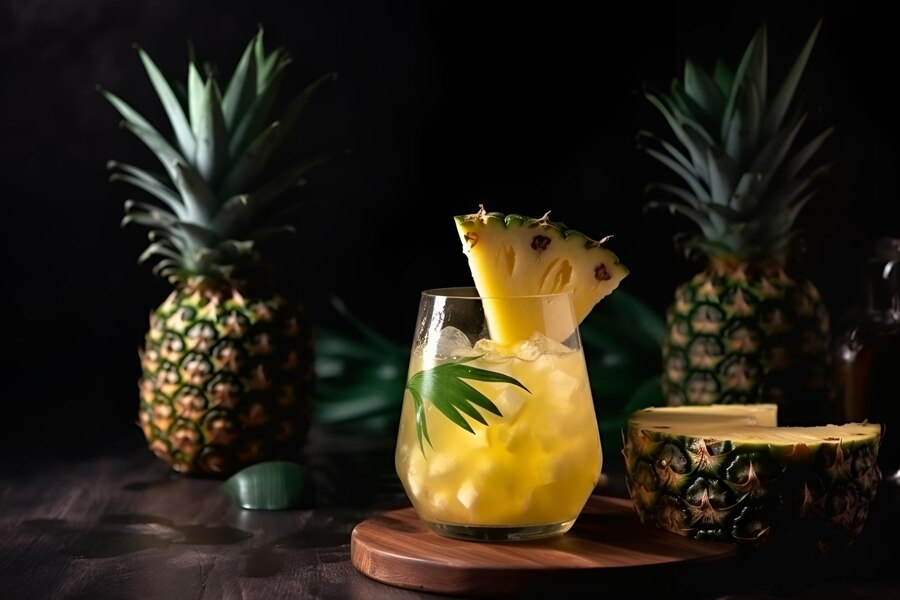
pixel 498 440
pixel 498 437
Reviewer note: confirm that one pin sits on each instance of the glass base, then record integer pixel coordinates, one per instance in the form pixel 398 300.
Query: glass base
pixel 499 533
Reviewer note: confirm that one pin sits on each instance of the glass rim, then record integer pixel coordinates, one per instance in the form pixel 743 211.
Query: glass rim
pixel 470 292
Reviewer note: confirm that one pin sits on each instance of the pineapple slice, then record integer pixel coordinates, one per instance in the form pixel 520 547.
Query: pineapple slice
pixel 513 255
pixel 729 473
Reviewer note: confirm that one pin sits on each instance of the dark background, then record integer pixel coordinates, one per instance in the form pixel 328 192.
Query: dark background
pixel 441 105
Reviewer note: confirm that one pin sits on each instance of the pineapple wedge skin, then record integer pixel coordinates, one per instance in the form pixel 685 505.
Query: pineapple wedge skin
pixel 515 255
pixel 729 474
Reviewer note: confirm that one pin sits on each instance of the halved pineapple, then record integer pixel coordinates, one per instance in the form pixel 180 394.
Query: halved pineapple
pixel 514 255
pixel 729 473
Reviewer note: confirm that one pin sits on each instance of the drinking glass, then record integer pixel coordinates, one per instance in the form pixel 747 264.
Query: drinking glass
pixel 498 439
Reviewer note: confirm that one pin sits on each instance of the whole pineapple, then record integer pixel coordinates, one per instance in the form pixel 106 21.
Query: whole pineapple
pixel 743 330
pixel 227 366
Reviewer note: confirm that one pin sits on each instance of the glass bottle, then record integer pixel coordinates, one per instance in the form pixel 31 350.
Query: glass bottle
pixel 867 354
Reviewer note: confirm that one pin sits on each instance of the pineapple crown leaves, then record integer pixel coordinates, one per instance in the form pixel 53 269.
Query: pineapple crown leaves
pixel 746 179
pixel 444 387
pixel 212 207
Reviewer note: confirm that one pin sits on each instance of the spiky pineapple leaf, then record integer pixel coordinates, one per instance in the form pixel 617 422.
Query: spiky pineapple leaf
pixel 172 106
pixel 241 88
pixel 150 183
pixel 239 208
pixel 253 160
pixel 212 134
pixel 199 198
pixel 685 129
pixel 164 151
pixel 792 169
pixel 753 63
pixel 195 96
pixel 782 101
pixel 723 77
pixel 255 118
pixel 444 388
pixel 699 86
pixel 681 170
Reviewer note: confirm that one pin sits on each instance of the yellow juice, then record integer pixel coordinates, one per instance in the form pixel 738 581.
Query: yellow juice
pixel 536 464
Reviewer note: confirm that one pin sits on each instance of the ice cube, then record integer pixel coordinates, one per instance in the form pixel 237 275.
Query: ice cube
pixel 510 401
pixel 527 350
pixel 547 345
pixel 441 464
pixel 439 501
pixel 553 467
pixel 449 341
pixel 563 387
pixel 468 494
pixel 490 351
pixel 513 437
pixel 467 353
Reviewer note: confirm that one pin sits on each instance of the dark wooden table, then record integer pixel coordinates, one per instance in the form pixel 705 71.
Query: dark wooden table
pixel 119 524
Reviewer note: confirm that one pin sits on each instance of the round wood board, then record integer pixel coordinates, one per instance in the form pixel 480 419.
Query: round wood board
pixel 607 544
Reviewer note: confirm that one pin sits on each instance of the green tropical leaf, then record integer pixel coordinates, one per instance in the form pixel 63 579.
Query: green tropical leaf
pixel 444 388
pixel 271 485
pixel 360 374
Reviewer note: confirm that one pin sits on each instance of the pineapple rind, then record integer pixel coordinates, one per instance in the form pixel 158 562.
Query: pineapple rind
pixel 808 488
pixel 235 386
pixel 763 338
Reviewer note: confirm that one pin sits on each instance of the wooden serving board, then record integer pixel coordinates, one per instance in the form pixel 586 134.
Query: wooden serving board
pixel 607 544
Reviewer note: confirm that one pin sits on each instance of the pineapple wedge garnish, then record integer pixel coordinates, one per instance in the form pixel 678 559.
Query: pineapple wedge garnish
pixel 514 255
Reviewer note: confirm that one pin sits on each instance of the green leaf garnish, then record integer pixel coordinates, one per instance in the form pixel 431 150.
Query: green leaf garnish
pixel 444 387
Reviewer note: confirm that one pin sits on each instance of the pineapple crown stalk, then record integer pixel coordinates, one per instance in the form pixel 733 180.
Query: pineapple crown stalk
pixel 746 180
pixel 213 206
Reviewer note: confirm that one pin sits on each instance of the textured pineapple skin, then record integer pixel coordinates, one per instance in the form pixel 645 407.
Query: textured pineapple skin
pixel 227 380
pixel 811 499
pixel 737 334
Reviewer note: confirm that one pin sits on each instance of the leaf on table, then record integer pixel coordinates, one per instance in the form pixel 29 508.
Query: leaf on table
pixel 270 485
